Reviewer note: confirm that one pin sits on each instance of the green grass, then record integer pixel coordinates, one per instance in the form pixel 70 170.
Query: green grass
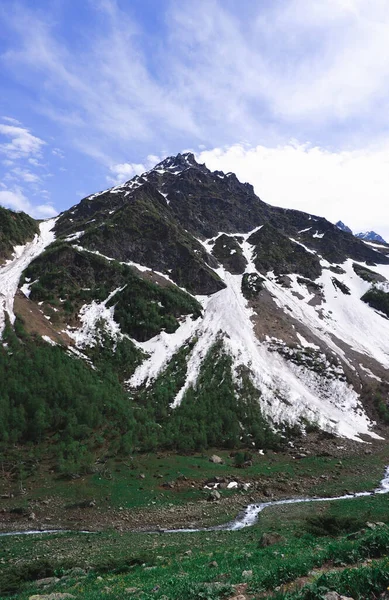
pixel 121 478
pixel 180 564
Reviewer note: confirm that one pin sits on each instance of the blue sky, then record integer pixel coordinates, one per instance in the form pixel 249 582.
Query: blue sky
pixel 291 95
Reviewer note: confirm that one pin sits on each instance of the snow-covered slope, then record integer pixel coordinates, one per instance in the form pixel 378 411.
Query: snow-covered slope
pixel 11 271
pixel 288 392
pixel 281 290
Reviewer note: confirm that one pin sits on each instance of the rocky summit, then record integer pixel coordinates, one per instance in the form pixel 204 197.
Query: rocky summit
pixel 181 294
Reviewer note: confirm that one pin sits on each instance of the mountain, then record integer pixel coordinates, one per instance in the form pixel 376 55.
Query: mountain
pixel 367 236
pixel 343 227
pixel 178 310
pixel 371 236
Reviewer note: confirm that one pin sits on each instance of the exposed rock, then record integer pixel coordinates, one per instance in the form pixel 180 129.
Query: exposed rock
pixel 216 459
pixel 335 596
pixel 214 496
pixel 247 574
pixel 46 581
pixel 269 539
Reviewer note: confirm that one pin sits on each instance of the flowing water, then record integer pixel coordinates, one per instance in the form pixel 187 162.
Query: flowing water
pixel 249 516
pixel 246 518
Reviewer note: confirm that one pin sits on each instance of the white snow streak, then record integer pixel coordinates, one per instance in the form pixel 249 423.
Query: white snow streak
pixel 93 316
pixel 11 271
pixel 161 349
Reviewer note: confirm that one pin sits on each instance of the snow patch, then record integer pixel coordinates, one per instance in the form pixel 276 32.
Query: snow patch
pixel 94 316
pixel 161 349
pixel 74 236
pixel 12 270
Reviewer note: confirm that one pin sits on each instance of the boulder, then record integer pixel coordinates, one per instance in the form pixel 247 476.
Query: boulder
pixel 46 581
pixel 214 496
pixel 216 459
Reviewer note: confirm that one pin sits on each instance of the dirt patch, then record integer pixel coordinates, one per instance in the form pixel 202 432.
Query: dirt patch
pixel 35 321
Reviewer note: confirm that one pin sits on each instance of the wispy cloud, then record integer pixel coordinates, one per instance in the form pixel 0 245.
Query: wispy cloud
pixel 23 152
pixel 11 120
pixel 58 152
pixel 23 175
pixel 217 74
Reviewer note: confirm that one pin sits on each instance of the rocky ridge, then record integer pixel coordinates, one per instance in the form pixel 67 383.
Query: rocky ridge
pixel 182 259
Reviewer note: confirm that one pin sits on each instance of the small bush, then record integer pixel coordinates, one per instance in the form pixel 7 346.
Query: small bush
pixel 332 525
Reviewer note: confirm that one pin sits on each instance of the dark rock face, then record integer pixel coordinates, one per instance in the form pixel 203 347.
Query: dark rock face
pixel 155 220
pixel 228 252
pixel 276 252
pixel 142 229
pixel 367 274
pixel 15 229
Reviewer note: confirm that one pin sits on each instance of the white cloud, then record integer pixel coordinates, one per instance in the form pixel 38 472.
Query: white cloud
pixel 35 162
pixel 16 200
pixel 11 120
pixel 25 175
pixel 44 211
pixel 350 185
pixel 58 152
pixel 219 73
pixel 124 171
pixel 22 145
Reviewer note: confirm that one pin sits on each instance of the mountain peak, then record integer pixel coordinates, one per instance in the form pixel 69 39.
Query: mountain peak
pixel 370 236
pixel 343 227
pixel 177 164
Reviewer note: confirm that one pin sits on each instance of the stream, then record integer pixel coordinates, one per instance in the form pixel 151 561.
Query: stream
pixel 246 518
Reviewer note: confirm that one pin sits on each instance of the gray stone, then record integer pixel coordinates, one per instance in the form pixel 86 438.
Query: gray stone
pixel 216 459
pixel 214 496
pixel 247 574
pixel 46 581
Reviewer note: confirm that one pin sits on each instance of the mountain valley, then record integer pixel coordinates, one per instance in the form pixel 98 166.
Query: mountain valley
pixel 173 349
